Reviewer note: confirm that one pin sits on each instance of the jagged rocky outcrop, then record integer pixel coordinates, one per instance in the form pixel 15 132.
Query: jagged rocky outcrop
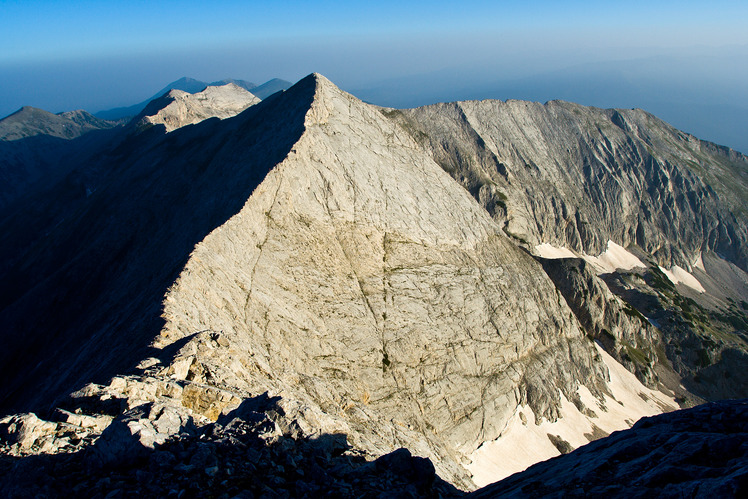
pixel 178 108
pixel 703 338
pixel 260 448
pixel 624 332
pixel 160 450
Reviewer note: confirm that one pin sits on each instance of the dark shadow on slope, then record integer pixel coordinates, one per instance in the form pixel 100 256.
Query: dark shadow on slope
pixel 35 163
pixel 82 299
pixel 697 452
pixel 242 455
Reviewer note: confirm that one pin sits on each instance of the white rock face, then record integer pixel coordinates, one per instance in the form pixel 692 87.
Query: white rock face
pixel 187 109
pixel 577 177
pixel 361 279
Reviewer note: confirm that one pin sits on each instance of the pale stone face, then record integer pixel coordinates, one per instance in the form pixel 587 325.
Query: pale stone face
pixel 577 177
pixel 359 277
pixel 213 102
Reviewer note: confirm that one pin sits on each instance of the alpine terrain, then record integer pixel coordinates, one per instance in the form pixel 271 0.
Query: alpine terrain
pixel 309 294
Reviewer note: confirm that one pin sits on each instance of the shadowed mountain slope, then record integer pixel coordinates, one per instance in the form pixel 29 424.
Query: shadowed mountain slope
pixel 83 288
pixel 698 452
pixel 36 144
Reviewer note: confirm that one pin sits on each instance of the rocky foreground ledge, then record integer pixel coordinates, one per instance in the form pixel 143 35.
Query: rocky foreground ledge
pixel 154 450
pixel 256 451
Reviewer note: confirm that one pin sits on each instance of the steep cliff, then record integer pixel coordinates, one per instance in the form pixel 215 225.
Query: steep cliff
pixel 577 176
pixel 568 181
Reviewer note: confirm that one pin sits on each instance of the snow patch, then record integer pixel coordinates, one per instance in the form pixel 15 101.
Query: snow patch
pixel 546 250
pixel 524 443
pixel 678 275
pixel 613 258
pixel 699 264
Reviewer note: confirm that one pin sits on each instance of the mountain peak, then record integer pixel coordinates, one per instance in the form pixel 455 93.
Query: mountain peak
pixel 26 111
pixel 179 108
pixel 328 99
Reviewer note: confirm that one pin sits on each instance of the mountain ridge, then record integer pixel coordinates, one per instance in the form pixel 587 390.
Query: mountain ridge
pixel 29 121
pixel 165 187
pixel 357 262
pixel 191 85
pixel 625 124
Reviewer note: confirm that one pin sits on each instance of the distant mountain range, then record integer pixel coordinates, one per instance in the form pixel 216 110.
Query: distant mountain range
pixel 36 145
pixel 30 121
pixel 191 85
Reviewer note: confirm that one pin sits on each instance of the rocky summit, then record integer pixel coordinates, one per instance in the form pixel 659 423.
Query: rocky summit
pixel 178 108
pixel 317 295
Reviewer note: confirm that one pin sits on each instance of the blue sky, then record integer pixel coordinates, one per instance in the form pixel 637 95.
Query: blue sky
pixel 37 30
pixel 99 54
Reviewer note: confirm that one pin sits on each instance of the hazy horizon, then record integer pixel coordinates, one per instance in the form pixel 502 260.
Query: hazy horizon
pixel 683 61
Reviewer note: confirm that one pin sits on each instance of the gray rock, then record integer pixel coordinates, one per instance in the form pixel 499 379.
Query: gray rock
pixel 178 108
pixel 138 431
pixel 621 329
pixel 313 248
pixel 359 278
pixel 26 432
pixel 578 176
